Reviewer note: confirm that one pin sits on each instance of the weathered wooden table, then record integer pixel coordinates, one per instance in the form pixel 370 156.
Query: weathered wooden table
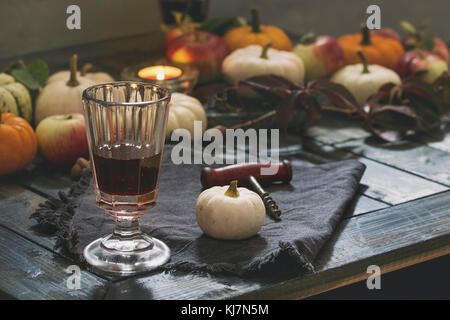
pixel 401 217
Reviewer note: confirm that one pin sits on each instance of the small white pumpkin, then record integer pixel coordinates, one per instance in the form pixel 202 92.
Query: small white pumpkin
pixel 62 96
pixel 183 111
pixel 98 77
pixel 364 80
pixel 255 60
pixel 230 213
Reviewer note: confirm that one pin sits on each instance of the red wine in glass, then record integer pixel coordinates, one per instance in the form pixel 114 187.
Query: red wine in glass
pixel 126 169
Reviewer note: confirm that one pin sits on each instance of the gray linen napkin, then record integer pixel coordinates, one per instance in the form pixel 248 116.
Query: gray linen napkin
pixel 312 206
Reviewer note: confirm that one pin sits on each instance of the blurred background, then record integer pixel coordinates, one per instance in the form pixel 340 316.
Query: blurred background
pixel 30 26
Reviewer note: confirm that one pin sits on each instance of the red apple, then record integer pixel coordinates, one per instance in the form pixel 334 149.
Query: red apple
pixel 419 60
pixel 440 48
pixel 178 31
pixel 62 138
pixel 386 33
pixel 201 49
pixel 321 55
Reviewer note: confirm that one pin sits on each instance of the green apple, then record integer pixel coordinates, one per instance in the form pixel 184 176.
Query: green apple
pixel 321 55
pixel 62 138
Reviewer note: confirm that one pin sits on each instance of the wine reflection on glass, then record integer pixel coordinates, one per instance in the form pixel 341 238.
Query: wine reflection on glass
pixel 125 124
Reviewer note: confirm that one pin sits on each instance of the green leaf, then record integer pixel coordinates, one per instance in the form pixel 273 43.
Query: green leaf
pixel 424 24
pixel 220 26
pixel 33 76
pixel 26 78
pixel 39 70
pixel 427 42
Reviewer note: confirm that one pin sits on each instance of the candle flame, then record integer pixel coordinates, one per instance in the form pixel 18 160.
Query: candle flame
pixel 160 75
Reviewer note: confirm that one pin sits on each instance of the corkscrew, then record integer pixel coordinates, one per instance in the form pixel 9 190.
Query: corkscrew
pixel 269 203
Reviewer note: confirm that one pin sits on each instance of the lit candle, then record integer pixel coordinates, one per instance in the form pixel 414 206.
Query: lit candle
pixel 160 73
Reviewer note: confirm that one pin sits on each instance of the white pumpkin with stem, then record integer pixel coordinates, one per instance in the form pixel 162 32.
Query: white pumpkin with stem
pixel 364 80
pixel 183 111
pixel 255 60
pixel 229 212
pixel 62 96
pixel 98 77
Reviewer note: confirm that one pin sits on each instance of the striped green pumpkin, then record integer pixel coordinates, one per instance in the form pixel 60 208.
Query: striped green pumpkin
pixel 15 98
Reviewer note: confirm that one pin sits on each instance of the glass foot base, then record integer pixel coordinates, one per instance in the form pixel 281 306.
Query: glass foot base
pixel 133 256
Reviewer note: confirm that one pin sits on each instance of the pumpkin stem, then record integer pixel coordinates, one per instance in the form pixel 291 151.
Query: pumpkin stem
pixel 232 190
pixel 265 50
pixel 364 61
pixel 73 81
pixel 255 21
pixel 196 36
pixel 186 12
pixel 85 68
pixel 365 32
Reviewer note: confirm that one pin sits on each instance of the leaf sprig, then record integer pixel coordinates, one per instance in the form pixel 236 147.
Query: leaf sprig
pixel 33 76
pixel 392 113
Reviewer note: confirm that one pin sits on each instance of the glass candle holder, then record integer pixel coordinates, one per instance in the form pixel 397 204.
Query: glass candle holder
pixel 125 124
pixel 182 81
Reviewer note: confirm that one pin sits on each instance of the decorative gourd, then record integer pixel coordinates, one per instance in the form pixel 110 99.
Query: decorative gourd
pixel 14 97
pixel 378 50
pixel 184 110
pixel 62 96
pixel 230 213
pixel 18 143
pixel 244 36
pixel 255 61
pixel 364 80
pixel 98 77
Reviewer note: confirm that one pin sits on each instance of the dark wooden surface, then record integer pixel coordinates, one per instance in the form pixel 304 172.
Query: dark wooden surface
pixel 400 217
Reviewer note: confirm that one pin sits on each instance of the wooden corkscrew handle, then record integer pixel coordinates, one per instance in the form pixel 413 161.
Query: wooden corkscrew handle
pixel 222 176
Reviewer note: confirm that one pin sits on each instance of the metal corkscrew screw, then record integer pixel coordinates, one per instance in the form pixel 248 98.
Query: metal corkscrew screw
pixel 269 203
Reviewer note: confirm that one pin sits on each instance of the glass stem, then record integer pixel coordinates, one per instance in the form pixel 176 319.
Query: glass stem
pixel 127 228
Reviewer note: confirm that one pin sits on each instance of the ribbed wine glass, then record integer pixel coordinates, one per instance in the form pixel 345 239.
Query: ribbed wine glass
pixel 125 124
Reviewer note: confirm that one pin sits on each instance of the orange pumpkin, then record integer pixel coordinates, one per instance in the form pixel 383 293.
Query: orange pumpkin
pixel 244 36
pixel 377 50
pixel 18 143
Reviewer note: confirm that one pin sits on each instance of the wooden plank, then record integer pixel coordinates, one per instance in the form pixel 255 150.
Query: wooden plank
pixel 440 142
pixel 42 178
pixel 395 186
pixel 391 238
pixel 18 204
pixel 443 145
pixel 363 204
pixel 421 160
pixel 334 278
pixel 334 129
pixel 28 271
pixel 384 183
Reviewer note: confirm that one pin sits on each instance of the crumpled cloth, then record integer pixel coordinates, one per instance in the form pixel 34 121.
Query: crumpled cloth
pixel 312 206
